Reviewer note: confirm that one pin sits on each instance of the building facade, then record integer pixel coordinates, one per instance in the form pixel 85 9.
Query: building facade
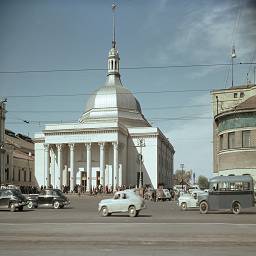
pixel 112 145
pixel 234 131
pixel 18 160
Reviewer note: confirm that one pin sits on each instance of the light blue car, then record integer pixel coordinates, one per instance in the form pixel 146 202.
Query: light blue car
pixel 122 201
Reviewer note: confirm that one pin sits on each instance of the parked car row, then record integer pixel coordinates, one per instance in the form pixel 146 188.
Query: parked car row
pixel 225 193
pixel 13 199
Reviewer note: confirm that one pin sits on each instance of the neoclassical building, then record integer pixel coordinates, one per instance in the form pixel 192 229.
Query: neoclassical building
pixel 112 144
pixel 234 131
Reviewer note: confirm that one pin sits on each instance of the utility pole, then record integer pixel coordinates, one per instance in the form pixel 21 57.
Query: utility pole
pixel 182 169
pixel 141 144
pixel 2 142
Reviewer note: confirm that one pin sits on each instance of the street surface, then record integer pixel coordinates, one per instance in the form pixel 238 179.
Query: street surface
pixel 161 229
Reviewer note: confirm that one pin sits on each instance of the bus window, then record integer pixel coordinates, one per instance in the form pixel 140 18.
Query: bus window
pixel 223 186
pixel 238 185
pixel 246 186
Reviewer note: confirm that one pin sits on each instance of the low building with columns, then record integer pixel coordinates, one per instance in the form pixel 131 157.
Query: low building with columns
pixel 111 145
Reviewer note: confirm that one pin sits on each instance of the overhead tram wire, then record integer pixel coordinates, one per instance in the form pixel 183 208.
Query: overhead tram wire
pixel 123 68
pixel 78 111
pixel 250 67
pixel 159 119
pixel 88 94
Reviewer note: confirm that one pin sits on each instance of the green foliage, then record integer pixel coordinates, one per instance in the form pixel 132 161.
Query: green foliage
pixel 203 182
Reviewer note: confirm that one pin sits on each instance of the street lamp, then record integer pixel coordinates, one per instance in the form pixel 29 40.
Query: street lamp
pixel 141 143
pixel 182 166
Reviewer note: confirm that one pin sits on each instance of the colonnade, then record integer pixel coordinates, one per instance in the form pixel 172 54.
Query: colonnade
pixel 88 168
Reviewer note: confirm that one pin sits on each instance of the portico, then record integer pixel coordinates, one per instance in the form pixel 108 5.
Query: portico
pixel 57 155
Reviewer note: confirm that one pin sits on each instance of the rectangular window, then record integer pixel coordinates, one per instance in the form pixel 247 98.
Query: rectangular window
pixel 246 139
pixel 221 142
pixel 19 175
pixel 231 140
pixel 7 174
pixel 235 95
pixel 30 176
pixel 241 94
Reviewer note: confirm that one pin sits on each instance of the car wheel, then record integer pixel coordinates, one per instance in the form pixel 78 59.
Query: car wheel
pixel 30 205
pixel 56 205
pixel 183 206
pixel 236 208
pixel 12 208
pixel 104 211
pixel 203 207
pixel 132 211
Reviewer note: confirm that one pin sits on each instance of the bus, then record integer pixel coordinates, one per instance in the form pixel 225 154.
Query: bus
pixel 228 192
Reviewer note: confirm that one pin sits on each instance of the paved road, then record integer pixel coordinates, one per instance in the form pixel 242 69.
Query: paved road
pixel 161 229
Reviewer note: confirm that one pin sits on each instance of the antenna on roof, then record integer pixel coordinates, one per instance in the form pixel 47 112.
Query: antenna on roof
pixel 233 56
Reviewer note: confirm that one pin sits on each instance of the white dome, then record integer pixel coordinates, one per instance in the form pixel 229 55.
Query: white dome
pixel 113 97
pixel 113 101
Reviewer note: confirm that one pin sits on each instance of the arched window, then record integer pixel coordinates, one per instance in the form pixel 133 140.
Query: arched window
pixel 111 64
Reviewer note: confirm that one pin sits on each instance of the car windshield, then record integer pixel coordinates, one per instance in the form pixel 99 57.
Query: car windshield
pixel 58 192
pixel 16 192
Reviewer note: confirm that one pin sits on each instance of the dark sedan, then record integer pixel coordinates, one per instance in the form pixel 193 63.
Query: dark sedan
pixel 12 199
pixel 48 198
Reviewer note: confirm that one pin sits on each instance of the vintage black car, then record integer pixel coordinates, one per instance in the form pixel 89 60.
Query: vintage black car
pixel 12 199
pixel 48 198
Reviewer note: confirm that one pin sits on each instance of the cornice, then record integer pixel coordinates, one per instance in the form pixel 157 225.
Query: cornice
pixel 236 150
pixel 76 132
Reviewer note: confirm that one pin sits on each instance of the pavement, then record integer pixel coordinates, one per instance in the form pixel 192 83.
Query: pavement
pixel 160 229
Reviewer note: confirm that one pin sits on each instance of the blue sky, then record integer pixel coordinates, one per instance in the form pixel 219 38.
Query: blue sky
pixel 65 34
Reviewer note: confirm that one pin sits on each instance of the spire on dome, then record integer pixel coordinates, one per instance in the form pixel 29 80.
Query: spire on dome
pixel 114 6
pixel 113 77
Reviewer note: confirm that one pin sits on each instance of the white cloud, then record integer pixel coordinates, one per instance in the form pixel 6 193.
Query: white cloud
pixel 206 35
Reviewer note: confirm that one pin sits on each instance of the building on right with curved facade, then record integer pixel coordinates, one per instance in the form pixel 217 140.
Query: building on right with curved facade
pixel 234 131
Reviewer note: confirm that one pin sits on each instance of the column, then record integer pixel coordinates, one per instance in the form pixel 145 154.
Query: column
pixel 102 164
pixel 71 164
pixel 89 167
pixel 65 176
pixel 115 165
pixel 52 168
pixel 46 165
pixel 60 167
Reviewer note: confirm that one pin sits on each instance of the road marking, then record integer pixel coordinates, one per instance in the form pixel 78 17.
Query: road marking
pixel 122 223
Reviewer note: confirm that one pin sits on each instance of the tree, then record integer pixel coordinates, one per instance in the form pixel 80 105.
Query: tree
pixel 203 182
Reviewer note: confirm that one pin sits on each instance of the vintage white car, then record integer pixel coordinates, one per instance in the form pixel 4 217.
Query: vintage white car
pixel 123 201
pixel 189 200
